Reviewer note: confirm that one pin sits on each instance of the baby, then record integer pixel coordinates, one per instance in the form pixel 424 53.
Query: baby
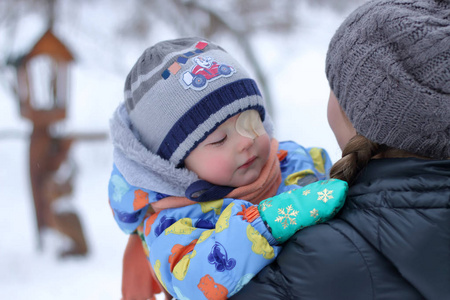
pixel 194 158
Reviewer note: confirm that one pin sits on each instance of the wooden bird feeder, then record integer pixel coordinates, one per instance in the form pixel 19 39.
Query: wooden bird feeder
pixel 42 92
pixel 42 80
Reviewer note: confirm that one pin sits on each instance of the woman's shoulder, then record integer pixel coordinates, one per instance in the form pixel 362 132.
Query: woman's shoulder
pixel 331 249
pixel 314 264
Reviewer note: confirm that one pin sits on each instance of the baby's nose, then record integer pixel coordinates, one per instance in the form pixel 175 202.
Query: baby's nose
pixel 245 143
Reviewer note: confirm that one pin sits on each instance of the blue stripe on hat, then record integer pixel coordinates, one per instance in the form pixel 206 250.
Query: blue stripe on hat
pixel 207 106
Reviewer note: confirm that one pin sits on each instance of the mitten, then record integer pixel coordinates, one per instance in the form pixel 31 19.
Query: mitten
pixel 291 211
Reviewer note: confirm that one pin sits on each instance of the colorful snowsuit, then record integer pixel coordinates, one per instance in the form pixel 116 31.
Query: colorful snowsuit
pixel 192 225
pixel 211 249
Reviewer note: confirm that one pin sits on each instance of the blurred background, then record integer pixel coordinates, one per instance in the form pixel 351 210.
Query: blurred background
pixel 62 68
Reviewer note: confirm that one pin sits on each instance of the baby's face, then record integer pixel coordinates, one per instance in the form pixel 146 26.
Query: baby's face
pixel 234 154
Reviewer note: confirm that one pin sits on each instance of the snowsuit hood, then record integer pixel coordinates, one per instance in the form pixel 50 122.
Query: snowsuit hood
pixel 140 166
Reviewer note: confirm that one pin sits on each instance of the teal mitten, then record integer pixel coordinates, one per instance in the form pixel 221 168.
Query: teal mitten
pixel 291 211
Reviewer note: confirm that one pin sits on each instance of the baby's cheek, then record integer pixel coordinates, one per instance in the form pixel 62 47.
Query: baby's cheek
pixel 219 171
pixel 264 146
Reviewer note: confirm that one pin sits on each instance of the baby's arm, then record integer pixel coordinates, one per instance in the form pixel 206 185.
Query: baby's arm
pixel 224 243
pixel 210 248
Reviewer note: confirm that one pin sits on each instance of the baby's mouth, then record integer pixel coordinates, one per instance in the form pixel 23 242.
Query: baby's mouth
pixel 248 163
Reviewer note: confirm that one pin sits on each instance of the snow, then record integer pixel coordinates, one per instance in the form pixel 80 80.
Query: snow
pixel 300 92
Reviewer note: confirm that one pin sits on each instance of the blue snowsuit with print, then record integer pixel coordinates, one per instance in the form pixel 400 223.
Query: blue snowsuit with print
pixel 201 250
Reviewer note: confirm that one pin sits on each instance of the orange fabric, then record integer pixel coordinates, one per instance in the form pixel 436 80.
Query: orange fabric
pixel 249 214
pixel 211 289
pixel 282 154
pixel 137 279
pixel 140 199
pixel 142 283
pixel 171 202
pixel 179 251
pixel 266 185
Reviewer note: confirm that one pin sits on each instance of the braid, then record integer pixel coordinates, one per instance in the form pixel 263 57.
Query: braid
pixel 355 156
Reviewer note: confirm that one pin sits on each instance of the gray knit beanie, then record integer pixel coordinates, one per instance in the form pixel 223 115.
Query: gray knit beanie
pixel 389 67
pixel 179 91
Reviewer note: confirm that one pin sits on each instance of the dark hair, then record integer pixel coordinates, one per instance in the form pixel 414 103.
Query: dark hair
pixel 357 154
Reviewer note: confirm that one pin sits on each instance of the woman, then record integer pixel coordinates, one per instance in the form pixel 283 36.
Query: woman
pixel 388 66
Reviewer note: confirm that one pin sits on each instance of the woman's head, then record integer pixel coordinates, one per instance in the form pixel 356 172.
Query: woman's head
pixel 389 67
pixel 340 124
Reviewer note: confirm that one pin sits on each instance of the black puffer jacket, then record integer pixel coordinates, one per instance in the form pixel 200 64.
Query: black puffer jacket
pixel 390 241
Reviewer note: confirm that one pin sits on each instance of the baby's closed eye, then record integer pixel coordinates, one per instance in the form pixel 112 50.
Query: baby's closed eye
pixel 218 141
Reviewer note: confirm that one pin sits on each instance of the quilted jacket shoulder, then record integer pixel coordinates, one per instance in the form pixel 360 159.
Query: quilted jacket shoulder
pixel 390 241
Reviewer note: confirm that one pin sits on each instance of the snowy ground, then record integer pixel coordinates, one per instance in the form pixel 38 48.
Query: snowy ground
pixel 300 91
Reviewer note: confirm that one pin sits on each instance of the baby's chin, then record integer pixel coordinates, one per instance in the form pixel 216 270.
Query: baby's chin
pixel 245 180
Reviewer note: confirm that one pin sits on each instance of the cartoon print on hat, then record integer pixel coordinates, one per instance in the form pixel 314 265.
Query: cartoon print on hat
pixel 204 69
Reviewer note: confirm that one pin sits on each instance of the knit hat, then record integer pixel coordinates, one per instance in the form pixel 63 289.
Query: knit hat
pixel 179 91
pixel 389 66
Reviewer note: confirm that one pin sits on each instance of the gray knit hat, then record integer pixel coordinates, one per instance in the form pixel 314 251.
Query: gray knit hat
pixel 181 90
pixel 389 66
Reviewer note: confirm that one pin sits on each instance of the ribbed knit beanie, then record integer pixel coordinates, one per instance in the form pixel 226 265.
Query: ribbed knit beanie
pixel 179 91
pixel 389 66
